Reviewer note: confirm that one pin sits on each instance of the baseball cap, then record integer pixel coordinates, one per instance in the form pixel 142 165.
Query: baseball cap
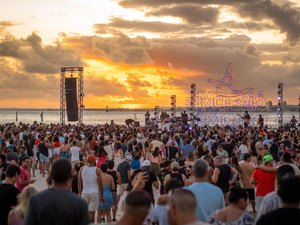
pixel 128 157
pixel 174 165
pixel 146 163
pixel 267 158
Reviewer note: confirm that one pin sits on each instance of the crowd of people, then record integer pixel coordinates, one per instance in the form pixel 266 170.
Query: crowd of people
pixel 177 175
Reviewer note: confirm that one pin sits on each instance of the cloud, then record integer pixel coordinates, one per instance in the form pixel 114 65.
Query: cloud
pixel 138 26
pixel 285 16
pixel 191 13
pixel 118 48
pixel 36 57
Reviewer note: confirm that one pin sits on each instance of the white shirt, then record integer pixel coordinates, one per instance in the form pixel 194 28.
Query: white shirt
pixel 75 153
pixel 109 150
pixel 243 148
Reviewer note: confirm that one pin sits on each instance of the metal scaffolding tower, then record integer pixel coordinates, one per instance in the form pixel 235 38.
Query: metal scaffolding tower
pixel 76 72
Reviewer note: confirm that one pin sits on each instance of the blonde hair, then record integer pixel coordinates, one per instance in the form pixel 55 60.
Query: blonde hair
pixel 24 198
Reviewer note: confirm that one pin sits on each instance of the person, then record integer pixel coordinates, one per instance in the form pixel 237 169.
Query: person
pixel 182 207
pixel 209 198
pixel 8 192
pixel 222 175
pixel 117 181
pixel 57 205
pixel 260 122
pixel 75 152
pixel 108 185
pixel 124 171
pixel 147 118
pixel 272 201
pixel 247 170
pixel 155 159
pixel 160 213
pixel 235 213
pixel 293 122
pixel 264 181
pixel 187 148
pixel 289 194
pixel 151 179
pixel 77 168
pixel 44 155
pixel 136 206
pixel 24 179
pixel 90 185
pixel 175 175
pixel 17 215
pixel 246 119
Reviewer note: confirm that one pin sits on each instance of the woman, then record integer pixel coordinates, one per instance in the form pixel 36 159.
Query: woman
pixel 243 149
pixel 155 159
pixel 56 148
pixel 235 213
pixel 16 216
pixel 102 156
pixel 108 185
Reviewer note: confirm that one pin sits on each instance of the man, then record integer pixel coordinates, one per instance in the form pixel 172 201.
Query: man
pixel 24 179
pixel 44 155
pixel 272 200
pixel 136 208
pixel 152 180
pixel 175 175
pixel 246 119
pixel 209 198
pixel 222 175
pixel 289 194
pixel 57 205
pixel 264 181
pixel 147 118
pixel 187 148
pixel 75 152
pixel 124 171
pixel 247 171
pixel 182 207
pixel 90 185
pixel 260 122
pixel 222 153
pixel 8 192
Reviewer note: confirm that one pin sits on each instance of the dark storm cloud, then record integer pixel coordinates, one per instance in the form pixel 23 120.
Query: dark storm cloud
pixel 285 16
pixel 194 14
pixel 36 57
pixel 137 25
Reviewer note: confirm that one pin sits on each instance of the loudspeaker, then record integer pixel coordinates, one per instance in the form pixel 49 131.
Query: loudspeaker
pixel 71 98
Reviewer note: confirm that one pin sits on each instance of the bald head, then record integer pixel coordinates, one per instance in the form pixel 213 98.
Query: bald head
pixel 184 201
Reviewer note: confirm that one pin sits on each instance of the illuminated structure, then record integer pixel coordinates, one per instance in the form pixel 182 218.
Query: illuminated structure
pixel 280 105
pixel 192 102
pixel 67 76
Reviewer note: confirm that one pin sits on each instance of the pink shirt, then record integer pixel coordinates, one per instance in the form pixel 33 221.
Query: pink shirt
pixel 23 176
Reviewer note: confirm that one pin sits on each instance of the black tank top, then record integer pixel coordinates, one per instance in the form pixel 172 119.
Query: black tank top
pixel 224 177
pixel 115 177
pixel 177 176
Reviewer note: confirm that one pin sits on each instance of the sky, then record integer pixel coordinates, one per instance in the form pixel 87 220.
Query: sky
pixel 137 53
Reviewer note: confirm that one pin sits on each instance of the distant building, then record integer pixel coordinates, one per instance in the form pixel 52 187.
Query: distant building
pixel 269 106
pixel 284 105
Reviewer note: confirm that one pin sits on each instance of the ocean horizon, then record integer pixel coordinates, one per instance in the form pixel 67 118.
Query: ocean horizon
pixel 96 116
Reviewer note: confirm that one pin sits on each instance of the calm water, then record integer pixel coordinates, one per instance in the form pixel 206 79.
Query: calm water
pixel 101 117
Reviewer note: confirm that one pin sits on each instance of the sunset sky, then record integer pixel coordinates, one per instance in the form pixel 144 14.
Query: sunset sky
pixel 137 53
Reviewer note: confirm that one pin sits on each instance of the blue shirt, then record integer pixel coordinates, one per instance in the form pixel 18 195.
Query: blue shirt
pixel 209 199
pixel 187 149
pixel 135 164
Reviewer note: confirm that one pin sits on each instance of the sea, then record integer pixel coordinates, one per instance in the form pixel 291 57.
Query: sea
pixel 93 117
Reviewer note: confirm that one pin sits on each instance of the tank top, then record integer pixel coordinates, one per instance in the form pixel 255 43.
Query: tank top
pixel 224 177
pixel 89 180
pixel 177 176
pixel 115 177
